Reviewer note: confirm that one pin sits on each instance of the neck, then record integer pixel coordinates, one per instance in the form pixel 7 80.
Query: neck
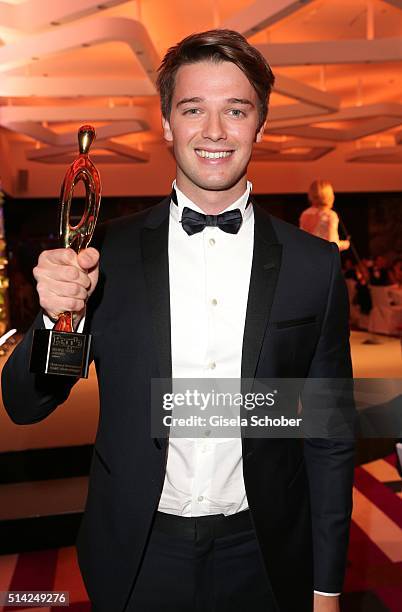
pixel 212 202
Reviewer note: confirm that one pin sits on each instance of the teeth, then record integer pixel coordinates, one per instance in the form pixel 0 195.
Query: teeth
pixel 213 155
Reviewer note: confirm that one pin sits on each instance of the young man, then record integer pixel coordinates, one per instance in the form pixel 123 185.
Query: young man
pixel 203 284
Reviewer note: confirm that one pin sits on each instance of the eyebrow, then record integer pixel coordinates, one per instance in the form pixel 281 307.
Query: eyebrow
pixel 243 101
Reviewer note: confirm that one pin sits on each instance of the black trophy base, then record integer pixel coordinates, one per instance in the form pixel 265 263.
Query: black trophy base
pixel 60 353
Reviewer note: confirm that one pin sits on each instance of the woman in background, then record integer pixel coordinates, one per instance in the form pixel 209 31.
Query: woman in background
pixel 319 219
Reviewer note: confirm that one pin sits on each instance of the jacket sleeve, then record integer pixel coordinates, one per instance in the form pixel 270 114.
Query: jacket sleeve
pixel 29 398
pixel 330 456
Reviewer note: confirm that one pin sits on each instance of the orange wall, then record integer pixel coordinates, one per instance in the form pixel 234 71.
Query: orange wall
pixel 155 177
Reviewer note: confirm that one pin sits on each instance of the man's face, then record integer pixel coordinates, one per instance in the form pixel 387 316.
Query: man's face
pixel 213 125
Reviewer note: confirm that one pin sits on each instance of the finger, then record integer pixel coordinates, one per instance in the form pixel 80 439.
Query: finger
pixel 88 258
pixel 58 256
pixel 54 304
pixel 50 273
pixel 93 276
pixel 63 290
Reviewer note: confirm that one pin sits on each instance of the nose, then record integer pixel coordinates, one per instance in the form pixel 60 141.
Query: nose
pixel 214 128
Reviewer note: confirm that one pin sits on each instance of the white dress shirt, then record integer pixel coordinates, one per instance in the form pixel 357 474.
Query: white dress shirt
pixel 209 276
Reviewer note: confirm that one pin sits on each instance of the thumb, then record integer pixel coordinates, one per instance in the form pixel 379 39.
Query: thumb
pixel 88 258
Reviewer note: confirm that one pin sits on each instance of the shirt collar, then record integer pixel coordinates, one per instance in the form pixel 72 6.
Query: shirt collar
pixel 182 201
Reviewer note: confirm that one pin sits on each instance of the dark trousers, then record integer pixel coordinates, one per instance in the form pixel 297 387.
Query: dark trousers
pixel 200 570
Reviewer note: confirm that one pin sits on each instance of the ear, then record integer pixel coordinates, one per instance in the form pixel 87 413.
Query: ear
pixel 260 133
pixel 167 132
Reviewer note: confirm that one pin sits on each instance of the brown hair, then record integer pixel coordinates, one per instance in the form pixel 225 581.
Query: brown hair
pixel 216 46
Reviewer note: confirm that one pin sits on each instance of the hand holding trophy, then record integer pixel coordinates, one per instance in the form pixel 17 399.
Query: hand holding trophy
pixel 61 350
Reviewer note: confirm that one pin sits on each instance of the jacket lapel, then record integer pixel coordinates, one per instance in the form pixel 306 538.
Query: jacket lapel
pixel 154 244
pixel 265 268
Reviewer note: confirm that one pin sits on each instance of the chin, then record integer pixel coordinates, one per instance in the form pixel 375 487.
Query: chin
pixel 216 186
pixel 218 183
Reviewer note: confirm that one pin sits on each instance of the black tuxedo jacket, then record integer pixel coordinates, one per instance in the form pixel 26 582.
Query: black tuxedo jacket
pixel 300 495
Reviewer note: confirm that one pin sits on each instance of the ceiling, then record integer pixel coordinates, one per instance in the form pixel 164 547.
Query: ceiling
pixel 337 63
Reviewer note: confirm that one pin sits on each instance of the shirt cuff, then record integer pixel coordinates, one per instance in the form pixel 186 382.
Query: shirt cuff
pixel 49 324
pixel 327 594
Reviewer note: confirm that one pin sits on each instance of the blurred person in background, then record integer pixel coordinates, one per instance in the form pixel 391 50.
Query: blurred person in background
pixel 395 290
pixel 380 275
pixel 349 269
pixel 320 219
pixel 396 272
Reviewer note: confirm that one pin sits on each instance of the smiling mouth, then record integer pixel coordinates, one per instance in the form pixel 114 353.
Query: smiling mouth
pixel 213 154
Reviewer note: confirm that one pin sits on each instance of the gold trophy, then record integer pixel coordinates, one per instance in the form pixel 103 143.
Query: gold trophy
pixel 60 350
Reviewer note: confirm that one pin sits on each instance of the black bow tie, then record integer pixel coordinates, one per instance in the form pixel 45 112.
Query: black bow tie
pixel 194 222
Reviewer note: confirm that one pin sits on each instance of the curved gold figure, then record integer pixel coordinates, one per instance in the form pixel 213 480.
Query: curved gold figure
pixel 79 236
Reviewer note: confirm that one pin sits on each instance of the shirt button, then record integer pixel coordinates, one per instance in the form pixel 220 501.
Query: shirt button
pixel 207 432
pixel 200 498
pixel 214 302
pixel 212 365
pixel 212 241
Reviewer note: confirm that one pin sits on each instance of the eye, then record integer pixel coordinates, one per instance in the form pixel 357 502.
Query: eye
pixel 192 111
pixel 236 112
